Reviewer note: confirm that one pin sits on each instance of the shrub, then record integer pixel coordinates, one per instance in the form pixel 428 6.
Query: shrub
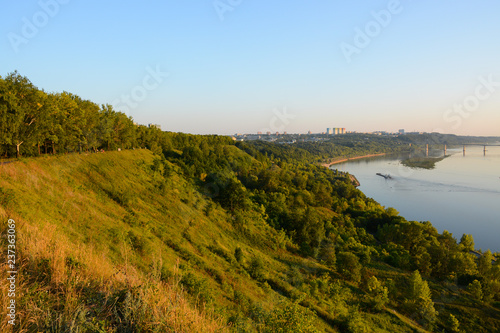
pixel 291 318
pixel 349 266
pixel 197 287
pixel 256 269
pixel 238 255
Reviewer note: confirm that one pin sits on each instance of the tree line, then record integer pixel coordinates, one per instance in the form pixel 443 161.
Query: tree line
pixel 35 122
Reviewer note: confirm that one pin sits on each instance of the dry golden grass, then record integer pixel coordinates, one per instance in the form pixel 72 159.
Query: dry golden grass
pixel 150 304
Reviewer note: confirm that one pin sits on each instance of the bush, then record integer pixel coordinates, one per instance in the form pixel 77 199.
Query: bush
pixel 379 294
pixel 197 287
pixel 291 318
pixel 238 255
pixel 349 266
pixel 256 269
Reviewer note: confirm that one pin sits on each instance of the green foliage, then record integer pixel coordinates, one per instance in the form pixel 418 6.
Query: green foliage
pixel 420 301
pixel 355 322
pixel 348 265
pixel 422 162
pixel 290 318
pixel 327 254
pixel 484 263
pixel 476 290
pixel 197 287
pixel 238 255
pixel 418 288
pixel 379 295
pixel 199 197
pixel 256 269
pixel 467 242
pixel 453 324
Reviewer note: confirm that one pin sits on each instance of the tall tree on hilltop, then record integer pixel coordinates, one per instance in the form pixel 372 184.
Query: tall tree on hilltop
pixel 22 110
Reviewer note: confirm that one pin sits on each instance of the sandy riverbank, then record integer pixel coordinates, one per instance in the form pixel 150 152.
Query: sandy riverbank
pixel 341 159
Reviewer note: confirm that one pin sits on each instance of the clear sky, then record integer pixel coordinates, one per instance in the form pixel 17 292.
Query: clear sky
pixel 241 66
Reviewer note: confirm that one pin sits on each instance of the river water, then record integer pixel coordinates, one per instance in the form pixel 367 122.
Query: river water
pixel 461 194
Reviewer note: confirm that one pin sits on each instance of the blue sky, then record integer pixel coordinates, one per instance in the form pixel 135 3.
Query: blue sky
pixel 235 66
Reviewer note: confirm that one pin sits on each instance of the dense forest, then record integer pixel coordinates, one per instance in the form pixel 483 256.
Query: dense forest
pixel 256 236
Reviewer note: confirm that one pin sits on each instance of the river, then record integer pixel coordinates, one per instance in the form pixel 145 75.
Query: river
pixel 460 194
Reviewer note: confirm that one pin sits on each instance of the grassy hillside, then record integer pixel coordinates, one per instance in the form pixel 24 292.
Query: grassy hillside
pixel 132 242
pixel 89 260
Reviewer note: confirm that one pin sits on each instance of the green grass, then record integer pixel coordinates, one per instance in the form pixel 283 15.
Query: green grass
pixel 107 243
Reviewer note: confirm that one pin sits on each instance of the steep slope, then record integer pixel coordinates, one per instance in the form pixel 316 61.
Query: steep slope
pixel 86 260
pixel 128 242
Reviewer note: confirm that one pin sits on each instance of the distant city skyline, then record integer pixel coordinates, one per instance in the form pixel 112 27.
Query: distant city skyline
pixel 252 66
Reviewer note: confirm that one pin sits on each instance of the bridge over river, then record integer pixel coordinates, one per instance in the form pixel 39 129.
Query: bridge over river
pixel 464 145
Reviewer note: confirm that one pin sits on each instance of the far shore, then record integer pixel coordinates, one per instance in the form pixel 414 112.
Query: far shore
pixel 341 159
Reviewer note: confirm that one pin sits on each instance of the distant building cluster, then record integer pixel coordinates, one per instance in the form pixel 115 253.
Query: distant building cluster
pixel 335 131
pixel 285 137
pixel 154 126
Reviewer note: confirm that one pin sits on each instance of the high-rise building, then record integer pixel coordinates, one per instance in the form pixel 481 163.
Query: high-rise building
pixel 337 130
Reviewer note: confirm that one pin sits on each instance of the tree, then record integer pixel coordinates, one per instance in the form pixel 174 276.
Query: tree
pixel 420 301
pixel 8 109
pixel 418 287
pixel 349 266
pixel 476 290
pixel 327 254
pixel 484 263
pixel 21 110
pixel 310 232
pixel 89 124
pixel 71 119
pixel 233 194
pixel 467 242
pixel 453 324
pixel 379 295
